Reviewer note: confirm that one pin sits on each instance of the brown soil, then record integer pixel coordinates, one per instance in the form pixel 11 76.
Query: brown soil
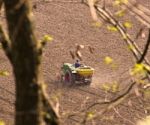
pixel 71 24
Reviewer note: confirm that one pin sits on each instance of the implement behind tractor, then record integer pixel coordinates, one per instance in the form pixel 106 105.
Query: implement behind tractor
pixel 72 75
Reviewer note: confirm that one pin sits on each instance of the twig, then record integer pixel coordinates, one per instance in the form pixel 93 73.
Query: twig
pixel 122 116
pixel 51 118
pixel 109 105
pixel 145 49
pixel 115 100
pixel 139 14
pixel 135 50
pixel 107 16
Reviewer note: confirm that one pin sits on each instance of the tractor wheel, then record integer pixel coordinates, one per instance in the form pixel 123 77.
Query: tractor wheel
pixel 62 79
pixel 69 78
pixel 88 82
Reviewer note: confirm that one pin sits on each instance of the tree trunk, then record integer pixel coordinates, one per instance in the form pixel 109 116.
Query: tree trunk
pixel 32 106
pixel 25 62
pixel 1 2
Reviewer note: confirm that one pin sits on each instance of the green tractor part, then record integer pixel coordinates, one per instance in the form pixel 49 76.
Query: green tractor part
pixel 72 75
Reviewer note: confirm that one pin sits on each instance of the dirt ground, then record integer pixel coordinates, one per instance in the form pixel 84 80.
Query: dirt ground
pixel 71 24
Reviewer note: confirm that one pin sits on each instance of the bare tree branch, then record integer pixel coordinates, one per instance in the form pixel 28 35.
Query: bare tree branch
pixel 139 12
pixel 108 105
pixel 114 101
pixel 117 112
pixel 144 9
pixel 108 17
pixel 135 50
pixel 5 43
pixel 145 49
pixel 50 116
pixel 92 9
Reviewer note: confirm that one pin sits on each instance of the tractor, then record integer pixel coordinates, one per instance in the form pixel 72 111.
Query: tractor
pixel 72 75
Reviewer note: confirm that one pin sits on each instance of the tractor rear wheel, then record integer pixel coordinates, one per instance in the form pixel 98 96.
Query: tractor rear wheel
pixel 69 78
pixel 88 82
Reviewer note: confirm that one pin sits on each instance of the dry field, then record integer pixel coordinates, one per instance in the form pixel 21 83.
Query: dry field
pixel 71 24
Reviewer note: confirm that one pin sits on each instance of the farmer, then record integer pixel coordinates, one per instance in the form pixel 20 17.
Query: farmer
pixel 77 64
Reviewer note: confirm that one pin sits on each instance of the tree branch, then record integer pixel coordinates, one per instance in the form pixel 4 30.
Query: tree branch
pixel 117 112
pixel 50 116
pixel 134 47
pixel 139 12
pixel 145 49
pixel 109 104
pixel 115 100
pixel 139 9
pixel 5 44
pixel 107 16
pixel 135 50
